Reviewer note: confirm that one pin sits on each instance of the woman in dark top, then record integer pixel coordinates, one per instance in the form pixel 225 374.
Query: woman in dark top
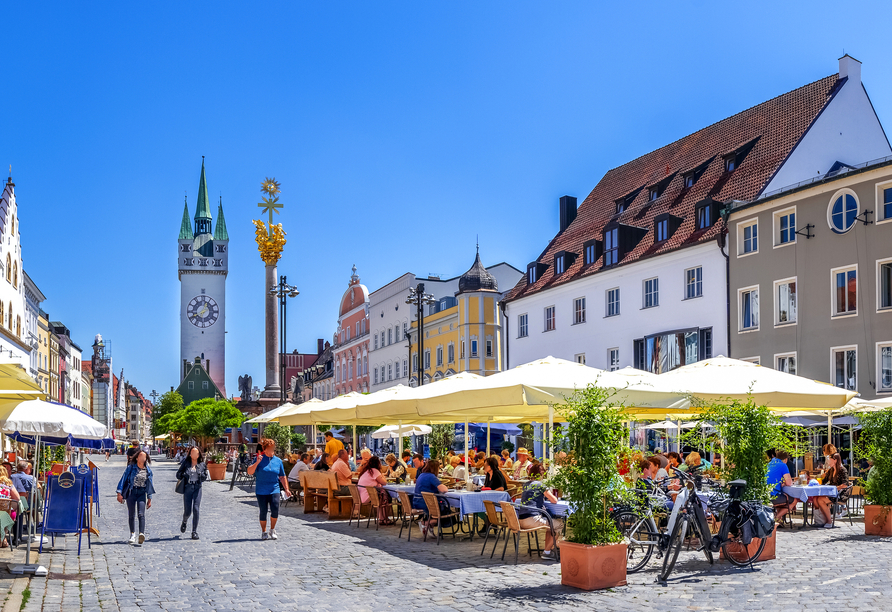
pixel 193 471
pixel 322 464
pixel 495 480
pixel 835 475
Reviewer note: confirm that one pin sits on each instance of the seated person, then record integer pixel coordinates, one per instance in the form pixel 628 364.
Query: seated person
pixel 646 482
pixel 324 463
pixel 22 480
pixel 370 476
pixel 427 482
pixel 835 476
pixel 418 462
pixel 657 471
pixel 506 460
pixel 300 466
pixel 344 475
pixel 674 462
pixel 536 469
pixel 406 457
pixel 779 477
pixel 534 495
pixel 365 454
pixel 694 463
pixel 519 471
pixel 479 458
pixel 450 469
pixel 396 469
pixel 459 472
pixel 495 479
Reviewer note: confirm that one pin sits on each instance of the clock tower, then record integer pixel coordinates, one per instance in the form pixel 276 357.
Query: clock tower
pixel 202 265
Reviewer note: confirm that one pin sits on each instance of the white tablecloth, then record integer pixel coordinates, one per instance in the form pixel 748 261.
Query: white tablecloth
pixel 469 502
pixel 804 492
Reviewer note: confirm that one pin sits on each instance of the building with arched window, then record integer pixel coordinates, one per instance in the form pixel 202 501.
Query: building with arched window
pixel 16 341
pixel 350 349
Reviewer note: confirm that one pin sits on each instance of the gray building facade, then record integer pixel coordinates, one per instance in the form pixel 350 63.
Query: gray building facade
pixel 810 278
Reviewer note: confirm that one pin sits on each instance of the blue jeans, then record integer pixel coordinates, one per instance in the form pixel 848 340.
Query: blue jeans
pixel 136 504
pixel 191 503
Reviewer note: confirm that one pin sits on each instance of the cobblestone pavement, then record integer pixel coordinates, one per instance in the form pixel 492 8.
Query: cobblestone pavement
pixel 322 565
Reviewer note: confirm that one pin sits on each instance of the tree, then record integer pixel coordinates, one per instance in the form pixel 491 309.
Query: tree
pixel 205 420
pixel 441 438
pixel 281 436
pixel 171 402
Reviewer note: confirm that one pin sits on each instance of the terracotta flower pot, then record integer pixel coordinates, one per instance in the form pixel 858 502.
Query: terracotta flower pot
pixel 768 553
pixel 217 471
pixel 593 567
pixel 877 520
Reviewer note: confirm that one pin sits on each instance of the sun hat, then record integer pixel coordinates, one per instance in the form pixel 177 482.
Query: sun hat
pixel 522 451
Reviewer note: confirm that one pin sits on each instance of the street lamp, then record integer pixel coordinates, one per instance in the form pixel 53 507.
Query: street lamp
pixel 419 298
pixel 283 291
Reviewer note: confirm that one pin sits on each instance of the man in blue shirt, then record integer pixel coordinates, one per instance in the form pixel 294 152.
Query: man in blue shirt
pixel 779 477
pixel 22 480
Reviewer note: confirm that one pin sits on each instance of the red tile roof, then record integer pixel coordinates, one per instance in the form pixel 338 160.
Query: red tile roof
pixel 772 128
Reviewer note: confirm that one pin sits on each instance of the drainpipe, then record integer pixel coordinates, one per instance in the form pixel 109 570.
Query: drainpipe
pixel 505 333
pixel 722 242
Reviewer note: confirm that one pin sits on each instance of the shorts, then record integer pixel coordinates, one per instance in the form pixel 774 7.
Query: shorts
pixel 531 522
pixel 268 503
pixel 783 500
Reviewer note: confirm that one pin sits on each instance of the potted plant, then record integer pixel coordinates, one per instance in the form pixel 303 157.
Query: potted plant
pixel 216 465
pixel 746 431
pixel 876 444
pixel 593 556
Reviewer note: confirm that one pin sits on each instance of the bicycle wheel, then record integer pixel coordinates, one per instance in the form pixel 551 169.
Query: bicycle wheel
pixel 740 554
pixel 676 541
pixel 637 532
pixel 704 541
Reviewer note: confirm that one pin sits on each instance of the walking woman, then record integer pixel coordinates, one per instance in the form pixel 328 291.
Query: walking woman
pixel 269 472
pixel 135 487
pixel 193 471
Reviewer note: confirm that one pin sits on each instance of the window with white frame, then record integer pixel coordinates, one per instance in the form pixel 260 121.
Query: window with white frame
pixel 389 371
pixel 613 302
pixel 427 359
pixel 462 353
pixel 748 237
pixel 612 359
pixel 842 211
pixel 753 360
pixel 885 204
pixel 559 265
pixel 473 347
pixel 439 356
pixel 396 369
pixel 884 284
pixel 523 329
pixel 845 290
pixel 405 367
pixel 450 353
pixel 590 252
pixel 405 330
pixel 376 341
pixel 580 358
pixel 785 303
pixel 845 367
pixel 415 362
pixel 662 229
pixel 693 283
pixel 611 247
pixel 749 309
pixel 389 336
pixel 884 367
pixel 375 376
pixel 382 339
pixel 489 348
pixel 579 310
pixel 549 318
pixel 785 226
pixel 357 328
pixel 785 362
pixel 651 292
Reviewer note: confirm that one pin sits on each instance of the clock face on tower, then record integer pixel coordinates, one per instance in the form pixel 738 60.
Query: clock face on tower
pixel 202 311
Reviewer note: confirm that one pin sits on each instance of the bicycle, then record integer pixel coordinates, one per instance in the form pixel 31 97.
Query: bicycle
pixel 735 533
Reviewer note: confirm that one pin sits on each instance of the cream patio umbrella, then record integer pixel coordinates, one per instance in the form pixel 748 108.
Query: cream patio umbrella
pixel 285 409
pixel 395 431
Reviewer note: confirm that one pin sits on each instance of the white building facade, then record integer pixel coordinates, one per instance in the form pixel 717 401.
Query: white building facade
pixel 14 345
pixel 33 299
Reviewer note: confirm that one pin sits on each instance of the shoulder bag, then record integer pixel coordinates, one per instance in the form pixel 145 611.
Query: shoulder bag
pixel 181 486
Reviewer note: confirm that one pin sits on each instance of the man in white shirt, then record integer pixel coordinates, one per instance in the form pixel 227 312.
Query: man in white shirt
pixel 300 466
pixel 460 472
pixel 522 465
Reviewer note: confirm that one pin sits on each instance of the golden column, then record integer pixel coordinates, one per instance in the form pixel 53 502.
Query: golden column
pixel 270 241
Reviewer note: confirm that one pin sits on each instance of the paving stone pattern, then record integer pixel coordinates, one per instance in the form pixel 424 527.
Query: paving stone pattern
pixel 328 566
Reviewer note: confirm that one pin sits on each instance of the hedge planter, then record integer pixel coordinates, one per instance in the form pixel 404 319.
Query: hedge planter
pixel 878 520
pixel 768 553
pixel 593 567
pixel 217 471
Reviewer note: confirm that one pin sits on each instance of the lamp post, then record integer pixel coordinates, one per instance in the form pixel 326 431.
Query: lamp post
pixel 419 298
pixel 283 291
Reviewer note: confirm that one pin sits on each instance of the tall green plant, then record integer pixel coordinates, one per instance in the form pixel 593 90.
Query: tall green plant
pixel 170 402
pixel 440 439
pixel 204 419
pixel 595 435
pixel 747 431
pixel 281 435
pixel 876 444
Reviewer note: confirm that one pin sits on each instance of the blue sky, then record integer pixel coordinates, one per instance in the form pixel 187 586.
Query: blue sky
pixel 399 132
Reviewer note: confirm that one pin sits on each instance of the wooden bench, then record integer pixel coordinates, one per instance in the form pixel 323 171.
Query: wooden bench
pixel 321 489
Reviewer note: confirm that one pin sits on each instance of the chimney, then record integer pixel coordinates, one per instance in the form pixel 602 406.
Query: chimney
pixel 568 211
pixel 320 346
pixel 850 67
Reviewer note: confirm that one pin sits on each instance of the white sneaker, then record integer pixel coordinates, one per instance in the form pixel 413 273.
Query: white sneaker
pixel 265 536
pixel 132 539
pixel 273 534
pixel 142 538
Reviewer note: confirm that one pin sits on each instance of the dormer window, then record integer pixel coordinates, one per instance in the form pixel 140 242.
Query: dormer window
pixel 562 261
pixel 689 179
pixel 559 264
pixel 531 275
pixel 624 202
pixel 733 160
pixel 611 247
pixel 707 213
pixel 662 230
pixel 652 194
pixel 730 163
pixel 591 251
pixel 534 272
pixel 657 190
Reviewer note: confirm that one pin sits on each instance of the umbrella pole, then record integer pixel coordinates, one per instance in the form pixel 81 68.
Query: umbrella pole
pixel 399 431
pixel 851 444
pixel 355 447
pixel 829 427
pixel 32 503
pixel 467 460
pixel 487 438
pixel 550 435
pixel 678 437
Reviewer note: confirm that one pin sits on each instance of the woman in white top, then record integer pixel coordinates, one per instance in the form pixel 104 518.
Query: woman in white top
pixel 460 472
pixel 658 472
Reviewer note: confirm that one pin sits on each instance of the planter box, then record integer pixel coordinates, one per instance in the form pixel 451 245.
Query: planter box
pixel 874 523
pixel 217 471
pixel 593 567
pixel 768 553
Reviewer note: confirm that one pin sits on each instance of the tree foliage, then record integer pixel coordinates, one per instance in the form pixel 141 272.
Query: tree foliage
pixel 205 420
pixel 875 444
pixel 281 435
pixel 171 402
pixel 440 439
pixel 595 434
pixel 747 431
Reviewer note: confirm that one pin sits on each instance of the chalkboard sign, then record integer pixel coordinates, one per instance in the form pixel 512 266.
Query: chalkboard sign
pixel 64 504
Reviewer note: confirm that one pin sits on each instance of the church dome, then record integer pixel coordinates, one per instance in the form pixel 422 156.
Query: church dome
pixel 477 279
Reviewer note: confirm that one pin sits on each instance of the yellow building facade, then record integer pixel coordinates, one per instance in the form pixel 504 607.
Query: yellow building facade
pixel 461 333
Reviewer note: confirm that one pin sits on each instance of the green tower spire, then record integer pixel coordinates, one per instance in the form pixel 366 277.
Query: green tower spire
pixel 186 225
pixel 220 232
pixel 202 209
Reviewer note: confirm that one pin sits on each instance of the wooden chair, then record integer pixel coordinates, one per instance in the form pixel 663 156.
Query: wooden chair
pixel 496 522
pixel 411 472
pixel 358 505
pixel 320 490
pixel 510 514
pixel 841 502
pixel 434 512
pixel 410 514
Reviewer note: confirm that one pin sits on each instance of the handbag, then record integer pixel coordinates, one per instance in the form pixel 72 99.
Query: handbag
pixel 181 486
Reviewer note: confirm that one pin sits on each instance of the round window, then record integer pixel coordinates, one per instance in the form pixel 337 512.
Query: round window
pixel 842 213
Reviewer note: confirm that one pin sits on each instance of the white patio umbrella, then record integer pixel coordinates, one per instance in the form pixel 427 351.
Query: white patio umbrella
pixel 395 431
pixel 41 418
pixel 667 424
pixel 285 409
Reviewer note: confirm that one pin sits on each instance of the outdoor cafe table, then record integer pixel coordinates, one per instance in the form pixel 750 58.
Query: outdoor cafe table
pixel 805 492
pixel 561 508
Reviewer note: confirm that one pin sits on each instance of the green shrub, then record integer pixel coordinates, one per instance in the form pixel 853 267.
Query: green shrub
pixel 876 444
